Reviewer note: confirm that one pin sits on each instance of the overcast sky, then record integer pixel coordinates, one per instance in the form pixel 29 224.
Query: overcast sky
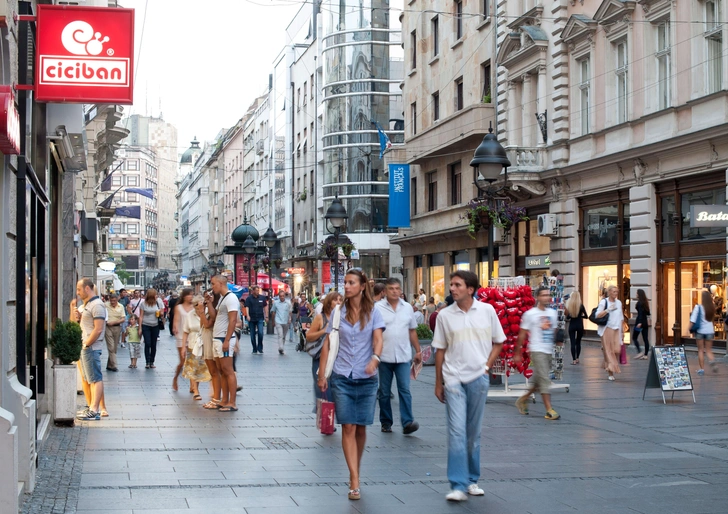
pixel 205 60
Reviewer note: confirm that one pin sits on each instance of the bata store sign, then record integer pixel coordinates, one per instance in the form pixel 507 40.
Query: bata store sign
pixel 85 54
pixel 709 216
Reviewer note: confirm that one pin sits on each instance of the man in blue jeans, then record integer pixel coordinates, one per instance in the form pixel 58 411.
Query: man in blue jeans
pixel 396 358
pixel 257 310
pixel 468 338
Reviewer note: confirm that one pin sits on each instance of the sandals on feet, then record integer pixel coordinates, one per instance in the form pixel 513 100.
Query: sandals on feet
pixel 212 404
pixel 354 494
pixel 197 397
pixel 228 409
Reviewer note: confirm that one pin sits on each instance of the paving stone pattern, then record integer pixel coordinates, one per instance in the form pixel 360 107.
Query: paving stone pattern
pixel 60 464
pixel 160 452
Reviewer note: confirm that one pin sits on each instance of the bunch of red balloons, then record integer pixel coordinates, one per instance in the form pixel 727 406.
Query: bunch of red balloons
pixel 510 304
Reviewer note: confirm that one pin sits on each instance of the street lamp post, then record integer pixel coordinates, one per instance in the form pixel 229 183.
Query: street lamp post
pixel 270 238
pixel 488 161
pixel 249 247
pixel 205 273
pixel 336 215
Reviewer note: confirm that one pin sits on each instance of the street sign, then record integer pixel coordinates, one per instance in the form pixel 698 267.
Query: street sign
pixel 296 271
pixel 84 54
pixel 9 122
pixel 538 262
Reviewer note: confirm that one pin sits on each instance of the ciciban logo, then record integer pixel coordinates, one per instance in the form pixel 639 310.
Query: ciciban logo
pixel 85 67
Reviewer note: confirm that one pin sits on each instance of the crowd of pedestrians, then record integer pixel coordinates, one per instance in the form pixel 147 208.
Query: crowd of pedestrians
pixel 376 344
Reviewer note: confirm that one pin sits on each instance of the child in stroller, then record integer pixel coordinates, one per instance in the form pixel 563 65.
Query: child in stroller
pixel 302 326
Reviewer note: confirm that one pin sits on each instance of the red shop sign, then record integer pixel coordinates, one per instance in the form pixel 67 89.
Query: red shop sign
pixel 84 54
pixel 297 271
pixel 9 123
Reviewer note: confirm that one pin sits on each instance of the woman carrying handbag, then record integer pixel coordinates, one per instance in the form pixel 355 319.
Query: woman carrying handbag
pixel 353 368
pixel 315 337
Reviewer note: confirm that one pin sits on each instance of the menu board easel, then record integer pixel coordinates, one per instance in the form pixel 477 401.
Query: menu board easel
pixel 668 370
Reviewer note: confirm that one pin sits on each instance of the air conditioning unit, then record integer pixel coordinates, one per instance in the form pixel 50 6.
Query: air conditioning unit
pixel 547 225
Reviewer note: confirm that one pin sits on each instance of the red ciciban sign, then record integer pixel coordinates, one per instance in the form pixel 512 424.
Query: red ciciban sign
pixel 84 54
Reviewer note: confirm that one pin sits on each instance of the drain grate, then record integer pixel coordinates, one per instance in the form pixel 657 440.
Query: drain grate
pixel 279 443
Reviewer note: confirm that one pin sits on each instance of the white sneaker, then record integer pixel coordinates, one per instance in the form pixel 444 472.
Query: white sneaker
pixel 611 378
pixel 474 490
pixel 456 496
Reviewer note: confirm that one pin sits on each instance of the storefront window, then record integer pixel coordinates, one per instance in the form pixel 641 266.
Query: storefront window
pixel 461 261
pixel 601 227
pixel 669 212
pixel 625 225
pixel 701 198
pixel 437 276
pixel 596 280
pixel 696 277
pixel 419 284
pixel 537 245
pixel 483 267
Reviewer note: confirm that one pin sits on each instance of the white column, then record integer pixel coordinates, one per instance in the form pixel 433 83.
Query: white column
pixel 643 252
pixel 512 113
pixel 527 111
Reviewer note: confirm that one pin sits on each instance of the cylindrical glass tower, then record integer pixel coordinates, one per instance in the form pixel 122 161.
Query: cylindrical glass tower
pixel 363 68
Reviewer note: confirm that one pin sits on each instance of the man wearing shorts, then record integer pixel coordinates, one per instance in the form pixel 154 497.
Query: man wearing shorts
pixel 539 324
pixel 93 328
pixel 223 344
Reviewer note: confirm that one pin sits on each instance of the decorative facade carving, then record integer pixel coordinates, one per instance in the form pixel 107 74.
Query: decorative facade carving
pixel 640 170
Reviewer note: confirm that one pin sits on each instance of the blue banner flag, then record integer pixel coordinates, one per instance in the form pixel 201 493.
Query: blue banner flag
pixel 133 211
pixel 106 184
pixel 106 204
pixel 144 191
pixel 384 142
pixel 399 195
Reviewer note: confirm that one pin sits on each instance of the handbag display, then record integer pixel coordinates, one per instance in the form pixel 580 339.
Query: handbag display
pixel 599 321
pixel 333 341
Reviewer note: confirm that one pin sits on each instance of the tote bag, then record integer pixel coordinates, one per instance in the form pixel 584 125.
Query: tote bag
pixel 333 341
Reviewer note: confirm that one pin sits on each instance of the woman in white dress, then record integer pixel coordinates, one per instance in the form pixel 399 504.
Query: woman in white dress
pixel 182 310
pixel 195 369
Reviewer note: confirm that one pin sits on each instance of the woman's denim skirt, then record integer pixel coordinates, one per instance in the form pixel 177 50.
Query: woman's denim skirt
pixel 355 399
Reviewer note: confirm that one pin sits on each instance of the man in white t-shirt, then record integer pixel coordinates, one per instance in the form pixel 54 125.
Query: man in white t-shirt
pixel 468 338
pixel 226 317
pixel 539 324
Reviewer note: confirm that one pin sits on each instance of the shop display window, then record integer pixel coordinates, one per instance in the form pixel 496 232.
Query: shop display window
pixel 537 245
pixel 461 261
pixel 701 198
pixel 419 284
pixel 596 280
pixel 437 277
pixel 696 277
pixel 600 224
pixel 483 272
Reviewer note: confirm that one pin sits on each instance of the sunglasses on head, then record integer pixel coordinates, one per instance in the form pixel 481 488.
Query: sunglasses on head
pixel 355 270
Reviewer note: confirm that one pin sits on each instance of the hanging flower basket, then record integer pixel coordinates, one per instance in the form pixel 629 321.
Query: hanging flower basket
pixel 500 213
pixel 278 262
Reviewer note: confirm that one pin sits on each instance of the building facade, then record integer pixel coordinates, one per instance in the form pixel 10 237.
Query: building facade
pixel 362 68
pixel 449 104
pixel 188 215
pixel 161 137
pixel 134 242
pixel 612 114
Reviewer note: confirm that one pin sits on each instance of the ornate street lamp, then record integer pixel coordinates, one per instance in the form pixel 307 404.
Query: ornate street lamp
pixel 336 216
pixel 488 162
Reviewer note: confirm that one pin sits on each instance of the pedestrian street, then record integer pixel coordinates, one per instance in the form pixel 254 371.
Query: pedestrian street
pixel 160 452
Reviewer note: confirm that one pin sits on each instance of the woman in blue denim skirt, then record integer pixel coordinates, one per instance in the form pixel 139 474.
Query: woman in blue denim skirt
pixel 354 380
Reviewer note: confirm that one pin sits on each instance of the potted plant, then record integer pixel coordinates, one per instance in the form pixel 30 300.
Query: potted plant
pixel 66 342
pixel 424 335
pixel 328 249
pixel 278 262
pixel 486 97
pixel 304 195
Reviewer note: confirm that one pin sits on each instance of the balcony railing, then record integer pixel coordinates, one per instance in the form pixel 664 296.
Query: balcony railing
pixel 527 158
pixel 260 147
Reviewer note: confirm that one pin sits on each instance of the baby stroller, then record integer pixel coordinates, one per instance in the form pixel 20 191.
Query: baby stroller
pixel 302 326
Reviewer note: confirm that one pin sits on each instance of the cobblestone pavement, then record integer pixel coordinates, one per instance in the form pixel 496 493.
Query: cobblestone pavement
pixel 612 452
pixel 59 472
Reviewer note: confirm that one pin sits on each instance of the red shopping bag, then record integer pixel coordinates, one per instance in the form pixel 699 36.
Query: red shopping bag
pixel 327 417
pixel 623 355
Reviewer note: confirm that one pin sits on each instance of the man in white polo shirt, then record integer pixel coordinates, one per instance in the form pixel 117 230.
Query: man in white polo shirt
pixel 396 358
pixel 468 338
